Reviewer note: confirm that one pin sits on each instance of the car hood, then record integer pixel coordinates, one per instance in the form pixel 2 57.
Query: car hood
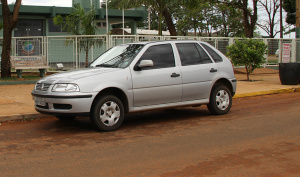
pixel 70 76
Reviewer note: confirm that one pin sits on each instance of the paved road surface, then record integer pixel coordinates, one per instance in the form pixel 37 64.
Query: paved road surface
pixel 259 137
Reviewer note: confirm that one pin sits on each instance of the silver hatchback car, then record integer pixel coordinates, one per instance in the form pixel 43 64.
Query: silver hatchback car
pixel 140 77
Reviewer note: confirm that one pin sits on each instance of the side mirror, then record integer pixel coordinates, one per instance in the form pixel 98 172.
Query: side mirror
pixel 146 63
pixel 143 64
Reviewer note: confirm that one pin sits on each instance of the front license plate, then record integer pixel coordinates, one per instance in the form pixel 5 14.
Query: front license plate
pixel 39 101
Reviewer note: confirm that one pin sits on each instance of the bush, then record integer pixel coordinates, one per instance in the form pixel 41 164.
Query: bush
pixel 248 53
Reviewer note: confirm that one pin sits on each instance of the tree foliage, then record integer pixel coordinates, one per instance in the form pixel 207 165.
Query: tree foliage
pixel 202 17
pixel 249 53
pixel 9 23
pixel 161 7
pixel 249 13
pixel 290 7
pixel 80 22
pixel 208 18
pixel 230 21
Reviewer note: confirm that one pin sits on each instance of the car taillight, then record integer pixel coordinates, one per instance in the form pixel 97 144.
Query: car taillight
pixel 232 67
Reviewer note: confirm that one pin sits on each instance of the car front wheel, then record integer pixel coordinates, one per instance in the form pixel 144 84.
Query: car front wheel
pixel 220 100
pixel 107 113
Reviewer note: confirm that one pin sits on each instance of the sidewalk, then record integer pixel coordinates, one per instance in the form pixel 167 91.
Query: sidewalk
pixel 16 102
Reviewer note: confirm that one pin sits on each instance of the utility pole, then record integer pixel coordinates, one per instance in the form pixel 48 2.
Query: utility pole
pixel 298 14
pixel 281 28
pixel 298 26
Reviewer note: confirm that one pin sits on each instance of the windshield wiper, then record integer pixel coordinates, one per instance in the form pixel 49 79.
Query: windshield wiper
pixel 105 65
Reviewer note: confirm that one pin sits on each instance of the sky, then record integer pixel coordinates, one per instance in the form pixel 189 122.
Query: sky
pixel 68 3
pixel 61 3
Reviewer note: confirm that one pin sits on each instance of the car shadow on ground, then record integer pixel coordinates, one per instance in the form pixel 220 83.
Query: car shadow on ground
pixel 143 120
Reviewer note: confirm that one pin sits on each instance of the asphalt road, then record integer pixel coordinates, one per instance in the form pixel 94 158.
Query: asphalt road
pixel 259 137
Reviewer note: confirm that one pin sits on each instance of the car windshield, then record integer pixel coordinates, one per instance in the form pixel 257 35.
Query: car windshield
pixel 118 57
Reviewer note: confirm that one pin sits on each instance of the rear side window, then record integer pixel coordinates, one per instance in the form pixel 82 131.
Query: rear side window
pixel 216 57
pixel 192 54
pixel 188 54
pixel 205 58
pixel 161 55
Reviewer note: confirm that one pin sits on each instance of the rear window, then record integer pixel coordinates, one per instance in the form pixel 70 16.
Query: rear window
pixel 216 57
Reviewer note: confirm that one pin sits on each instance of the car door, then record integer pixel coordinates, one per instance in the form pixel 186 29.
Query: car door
pixel 198 71
pixel 159 84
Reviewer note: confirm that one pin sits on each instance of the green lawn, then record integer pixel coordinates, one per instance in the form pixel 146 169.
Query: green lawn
pixel 24 78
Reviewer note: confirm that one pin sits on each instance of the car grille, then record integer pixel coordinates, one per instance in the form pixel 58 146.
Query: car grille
pixel 42 87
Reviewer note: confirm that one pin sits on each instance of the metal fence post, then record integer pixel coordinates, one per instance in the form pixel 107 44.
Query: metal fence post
pixel 280 51
pixel 231 41
pixel 46 46
pixel 76 52
pixel 293 50
pixel 266 54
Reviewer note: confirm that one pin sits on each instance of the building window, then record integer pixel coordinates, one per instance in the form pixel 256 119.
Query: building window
pixel 100 24
pixel 53 28
pixel 29 27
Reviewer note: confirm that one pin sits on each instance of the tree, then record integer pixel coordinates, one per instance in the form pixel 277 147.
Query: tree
pixel 290 7
pixel 9 23
pixel 249 14
pixel 210 21
pixel 80 22
pixel 204 18
pixel 230 21
pixel 269 24
pixel 162 7
pixel 190 18
pixel 248 53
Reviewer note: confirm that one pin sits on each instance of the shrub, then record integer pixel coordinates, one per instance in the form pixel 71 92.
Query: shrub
pixel 248 53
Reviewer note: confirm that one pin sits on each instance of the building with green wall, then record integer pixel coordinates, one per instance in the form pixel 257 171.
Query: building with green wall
pixel 38 20
pixel 35 25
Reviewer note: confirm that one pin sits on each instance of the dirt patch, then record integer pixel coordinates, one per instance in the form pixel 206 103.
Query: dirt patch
pixel 5 101
pixel 16 99
pixel 259 74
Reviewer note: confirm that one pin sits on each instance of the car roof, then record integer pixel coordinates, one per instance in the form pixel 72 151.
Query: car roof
pixel 164 41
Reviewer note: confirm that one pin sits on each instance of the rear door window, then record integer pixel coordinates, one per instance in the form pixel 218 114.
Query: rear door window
pixel 192 54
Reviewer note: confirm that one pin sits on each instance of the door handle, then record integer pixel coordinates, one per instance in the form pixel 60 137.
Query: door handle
pixel 213 70
pixel 175 75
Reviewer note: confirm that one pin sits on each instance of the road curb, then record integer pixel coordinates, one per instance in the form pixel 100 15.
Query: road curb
pixel 21 117
pixel 269 92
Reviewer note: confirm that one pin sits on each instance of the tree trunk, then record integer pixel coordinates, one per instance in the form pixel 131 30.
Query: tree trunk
pixel 9 22
pixel 159 24
pixel 248 73
pixel 249 20
pixel 6 48
pixel 169 22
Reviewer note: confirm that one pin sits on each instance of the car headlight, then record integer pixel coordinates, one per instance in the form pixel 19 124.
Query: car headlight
pixel 65 88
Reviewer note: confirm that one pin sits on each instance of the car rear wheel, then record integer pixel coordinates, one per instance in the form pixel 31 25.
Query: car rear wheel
pixel 107 113
pixel 220 100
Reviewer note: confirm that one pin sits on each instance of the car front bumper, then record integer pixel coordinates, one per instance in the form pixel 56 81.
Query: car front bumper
pixel 60 104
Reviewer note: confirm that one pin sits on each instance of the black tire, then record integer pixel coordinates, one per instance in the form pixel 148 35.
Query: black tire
pixel 66 118
pixel 220 100
pixel 107 113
